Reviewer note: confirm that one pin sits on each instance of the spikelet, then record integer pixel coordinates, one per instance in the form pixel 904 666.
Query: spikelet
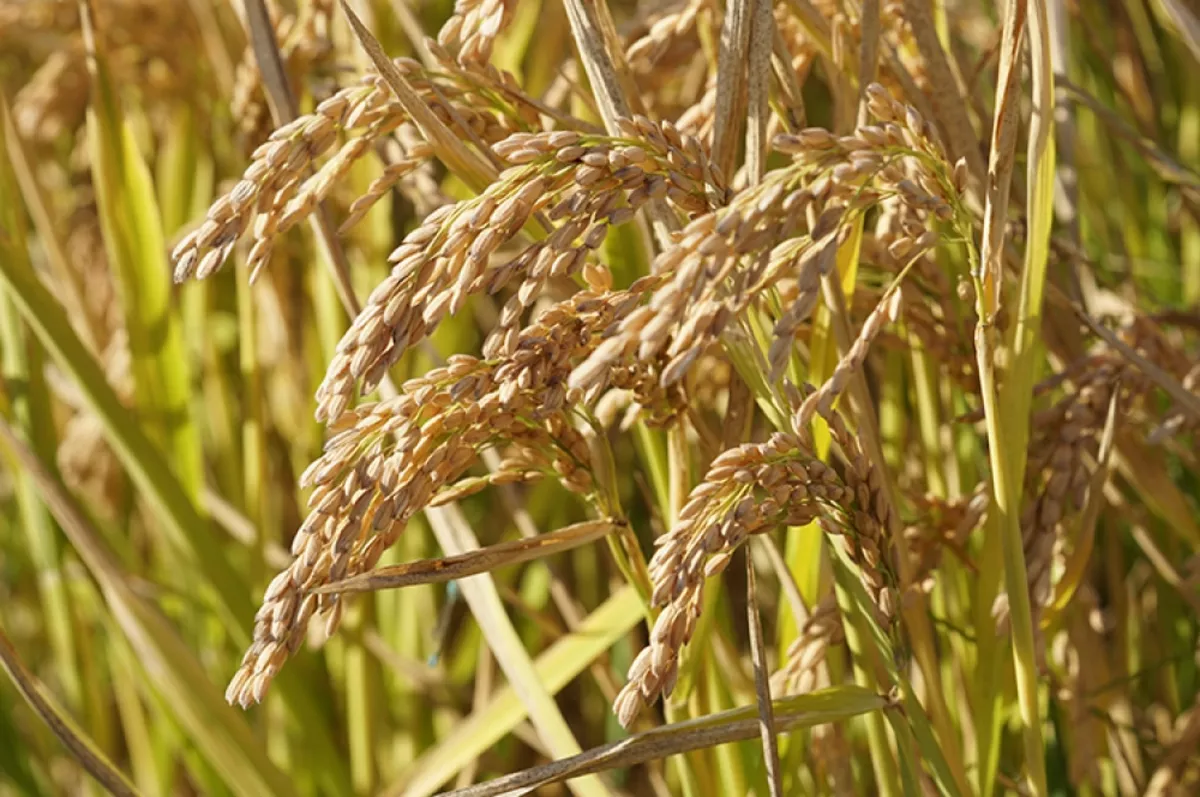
pixel 584 185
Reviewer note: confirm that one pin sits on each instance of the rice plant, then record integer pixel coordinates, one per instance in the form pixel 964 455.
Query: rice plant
pixel 607 398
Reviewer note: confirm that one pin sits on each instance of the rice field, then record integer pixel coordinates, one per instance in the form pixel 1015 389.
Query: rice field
pixel 677 397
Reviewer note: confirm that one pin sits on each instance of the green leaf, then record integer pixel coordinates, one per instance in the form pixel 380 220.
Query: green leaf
pixel 796 712
pixel 224 591
pixel 554 669
pixel 29 407
pixel 137 253
pixel 81 747
pixel 215 728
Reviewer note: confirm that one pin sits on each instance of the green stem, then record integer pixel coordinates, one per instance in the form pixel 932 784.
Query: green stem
pixel 887 777
pixel 1005 496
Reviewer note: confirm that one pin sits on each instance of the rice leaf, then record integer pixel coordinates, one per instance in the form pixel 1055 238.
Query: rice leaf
pixel 169 665
pixel 81 747
pixel 791 713
pixel 456 537
pixel 133 237
pixel 555 668
pixel 28 405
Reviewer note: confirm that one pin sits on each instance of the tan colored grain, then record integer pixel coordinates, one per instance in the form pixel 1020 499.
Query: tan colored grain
pixel 589 183
pixel 386 461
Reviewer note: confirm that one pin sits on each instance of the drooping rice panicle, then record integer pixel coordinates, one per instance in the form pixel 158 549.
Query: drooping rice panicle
pixel 589 183
pixel 388 460
pixel 277 191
